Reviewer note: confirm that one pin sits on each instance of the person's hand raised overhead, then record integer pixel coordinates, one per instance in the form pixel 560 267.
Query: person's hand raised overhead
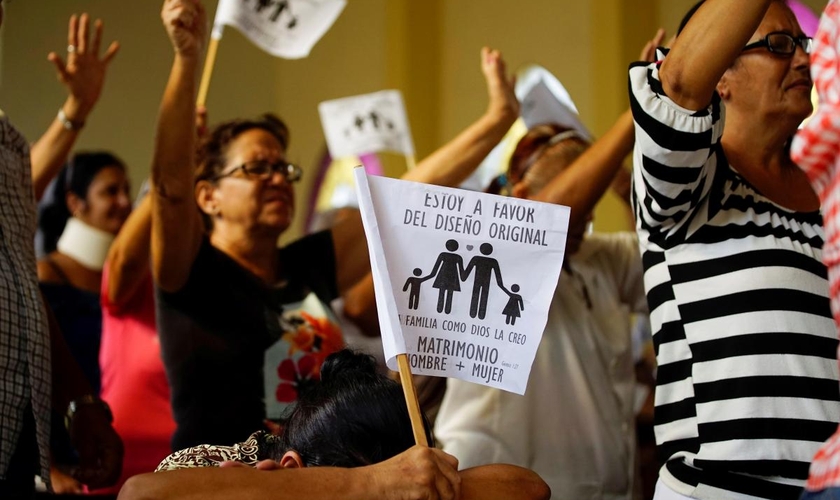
pixel 83 73
pixel 500 87
pixel 186 24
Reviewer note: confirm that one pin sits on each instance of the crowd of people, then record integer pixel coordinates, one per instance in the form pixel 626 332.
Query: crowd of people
pixel 137 339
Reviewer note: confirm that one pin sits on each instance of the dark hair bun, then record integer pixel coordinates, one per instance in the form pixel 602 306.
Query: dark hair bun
pixel 346 364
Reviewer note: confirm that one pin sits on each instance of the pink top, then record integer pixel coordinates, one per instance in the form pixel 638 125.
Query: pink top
pixel 816 149
pixel 134 382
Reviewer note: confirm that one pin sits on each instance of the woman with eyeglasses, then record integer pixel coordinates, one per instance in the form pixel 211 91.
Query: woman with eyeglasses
pixel 731 238
pixel 245 326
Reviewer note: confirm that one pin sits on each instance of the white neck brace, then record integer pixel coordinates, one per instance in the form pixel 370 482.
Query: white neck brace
pixel 85 244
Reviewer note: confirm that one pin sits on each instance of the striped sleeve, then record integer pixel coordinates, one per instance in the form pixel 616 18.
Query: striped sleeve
pixel 675 153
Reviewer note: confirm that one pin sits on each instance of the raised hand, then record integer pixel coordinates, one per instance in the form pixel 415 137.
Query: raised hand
pixel 649 51
pixel 186 24
pixel 84 71
pixel 500 87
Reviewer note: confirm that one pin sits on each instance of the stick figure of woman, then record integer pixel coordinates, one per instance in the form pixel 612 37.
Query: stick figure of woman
pixel 514 306
pixel 448 270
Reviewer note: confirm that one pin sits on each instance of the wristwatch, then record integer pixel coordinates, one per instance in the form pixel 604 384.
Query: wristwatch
pixel 68 123
pixel 87 399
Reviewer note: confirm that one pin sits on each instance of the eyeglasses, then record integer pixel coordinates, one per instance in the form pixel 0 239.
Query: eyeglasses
pixel 505 183
pixel 782 43
pixel 263 170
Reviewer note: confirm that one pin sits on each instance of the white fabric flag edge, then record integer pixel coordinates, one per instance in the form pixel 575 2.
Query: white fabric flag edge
pixel 393 341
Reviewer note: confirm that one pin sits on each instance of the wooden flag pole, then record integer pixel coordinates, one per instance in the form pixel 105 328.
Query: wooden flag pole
pixel 411 400
pixel 208 71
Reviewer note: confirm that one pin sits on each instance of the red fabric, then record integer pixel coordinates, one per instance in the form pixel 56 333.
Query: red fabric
pixel 816 149
pixel 134 381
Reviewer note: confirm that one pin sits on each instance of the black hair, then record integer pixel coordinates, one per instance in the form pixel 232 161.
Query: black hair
pixel 213 148
pixel 76 177
pixel 353 417
pixel 211 153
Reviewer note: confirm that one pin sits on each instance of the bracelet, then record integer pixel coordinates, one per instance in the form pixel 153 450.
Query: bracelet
pixel 67 123
pixel 87 399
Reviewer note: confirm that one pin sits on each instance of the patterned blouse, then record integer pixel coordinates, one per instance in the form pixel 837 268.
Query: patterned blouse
pixel 815 151
pixel 259 446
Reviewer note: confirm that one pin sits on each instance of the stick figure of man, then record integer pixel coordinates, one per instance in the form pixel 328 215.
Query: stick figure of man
pixel 484 269
pixel 414 285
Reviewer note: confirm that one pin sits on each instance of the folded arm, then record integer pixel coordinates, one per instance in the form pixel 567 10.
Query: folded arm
pixel 419 473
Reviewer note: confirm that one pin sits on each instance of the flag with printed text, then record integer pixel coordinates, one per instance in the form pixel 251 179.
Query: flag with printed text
pixel 283 28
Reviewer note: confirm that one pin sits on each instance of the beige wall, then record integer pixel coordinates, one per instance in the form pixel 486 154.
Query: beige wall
pixel 426 48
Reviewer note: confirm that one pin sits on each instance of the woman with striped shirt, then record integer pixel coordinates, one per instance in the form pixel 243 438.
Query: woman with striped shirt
pixel 731 239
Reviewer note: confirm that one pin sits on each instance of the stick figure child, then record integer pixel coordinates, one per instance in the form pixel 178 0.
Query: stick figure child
pixel 414 283
pixel 514 306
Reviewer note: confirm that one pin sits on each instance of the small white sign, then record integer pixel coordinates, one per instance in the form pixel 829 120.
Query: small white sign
pixel 283 28
pixel 463 279
pixel 543 99
pixel 366 123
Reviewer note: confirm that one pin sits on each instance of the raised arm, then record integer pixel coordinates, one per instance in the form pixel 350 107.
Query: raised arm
pixel 455 161
pixel 448 166
pixel 128 257
pixel 83 74
pixel 706 48
pixel 176 224
pixel 581 184
pixel 584 182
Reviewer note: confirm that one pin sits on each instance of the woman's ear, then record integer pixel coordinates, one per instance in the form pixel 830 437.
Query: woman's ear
pixel 291 460
pixel 722 88
pixel 75 205
pixel 204 197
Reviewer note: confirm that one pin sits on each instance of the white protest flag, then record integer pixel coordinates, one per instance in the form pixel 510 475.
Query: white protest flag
pixel 463 279
pixel 544 100
pixel 366 123
pixel 283 28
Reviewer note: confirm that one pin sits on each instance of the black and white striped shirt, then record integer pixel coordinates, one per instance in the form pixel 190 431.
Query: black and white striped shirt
pixel 747 381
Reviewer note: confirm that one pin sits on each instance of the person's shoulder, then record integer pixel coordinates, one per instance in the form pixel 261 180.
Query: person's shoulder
pixel 52 269
pixel 608 244
pixel 309 242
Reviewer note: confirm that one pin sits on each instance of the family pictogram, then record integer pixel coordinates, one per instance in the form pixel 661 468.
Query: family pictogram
pixel 449 273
